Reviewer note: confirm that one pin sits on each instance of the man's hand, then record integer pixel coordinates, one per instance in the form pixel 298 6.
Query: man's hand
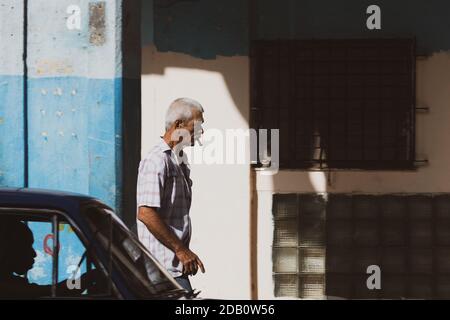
pixel 190 261
pixel 166 236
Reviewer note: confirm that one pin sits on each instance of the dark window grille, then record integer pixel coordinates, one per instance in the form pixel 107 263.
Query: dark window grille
pixel 323 246
pixel 338 103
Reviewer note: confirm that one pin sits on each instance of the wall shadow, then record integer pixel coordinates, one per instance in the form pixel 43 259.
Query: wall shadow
pixel 232 76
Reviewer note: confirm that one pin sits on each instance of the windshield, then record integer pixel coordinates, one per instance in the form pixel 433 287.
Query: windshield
pixel 140 269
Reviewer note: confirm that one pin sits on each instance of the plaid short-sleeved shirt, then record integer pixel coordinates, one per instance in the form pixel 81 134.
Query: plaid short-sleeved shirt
pixel 164 183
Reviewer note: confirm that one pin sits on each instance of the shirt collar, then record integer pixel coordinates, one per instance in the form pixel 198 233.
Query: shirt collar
pixel 164 146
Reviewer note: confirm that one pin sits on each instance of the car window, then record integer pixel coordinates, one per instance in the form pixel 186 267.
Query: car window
pixel 71 250
pixel 143 274
pixel 46 258
pixel 41 273
pixel 74 261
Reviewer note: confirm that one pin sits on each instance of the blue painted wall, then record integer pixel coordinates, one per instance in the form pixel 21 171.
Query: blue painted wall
pixel 74 99
pixel 62 120
pixel 11 131
pixel 11 93
pixel 73 135
pixel 207 28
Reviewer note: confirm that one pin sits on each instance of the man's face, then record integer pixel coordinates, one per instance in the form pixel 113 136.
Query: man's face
pixel 194 126
pixel 22 257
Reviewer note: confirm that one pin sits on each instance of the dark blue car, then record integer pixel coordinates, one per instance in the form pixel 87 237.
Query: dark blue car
pixel 69 246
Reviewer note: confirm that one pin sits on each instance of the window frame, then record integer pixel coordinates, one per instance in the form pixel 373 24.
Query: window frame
pixel 53 218
pixel 407 162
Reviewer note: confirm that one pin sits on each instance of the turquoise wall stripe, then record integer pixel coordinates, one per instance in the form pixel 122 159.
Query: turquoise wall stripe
pixel 74 136
pixel 11 131
pixel 11 93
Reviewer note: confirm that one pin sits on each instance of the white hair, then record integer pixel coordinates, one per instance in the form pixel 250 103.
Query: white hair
pixel 181 109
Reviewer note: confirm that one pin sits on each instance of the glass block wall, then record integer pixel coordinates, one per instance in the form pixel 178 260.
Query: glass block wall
pixel 324 244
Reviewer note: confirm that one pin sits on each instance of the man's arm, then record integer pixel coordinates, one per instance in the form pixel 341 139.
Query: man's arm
pixel 166 236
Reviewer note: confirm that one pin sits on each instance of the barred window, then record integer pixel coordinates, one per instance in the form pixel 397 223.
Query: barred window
pixel 338 103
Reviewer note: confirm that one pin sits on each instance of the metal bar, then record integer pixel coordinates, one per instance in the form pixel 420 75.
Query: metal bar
pixel 25 92
pixel 352 246
pixel 367 99
pixel 297 222
pixel 88 265
pixel 328 156
pixel 380 118
pixel 325 240
pixel 408 245
pixel 252 34
pixel 397 135
pixel 434 254
pixel 412 133
pixel 110 254
pixel 380 245
pixel 363 125
pixel 347 133
pixel 55 257
pixel 277 108
pixel 316 123
pixel 292 120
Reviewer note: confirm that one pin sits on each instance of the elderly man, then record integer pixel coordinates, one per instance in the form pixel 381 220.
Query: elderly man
pixel 164 193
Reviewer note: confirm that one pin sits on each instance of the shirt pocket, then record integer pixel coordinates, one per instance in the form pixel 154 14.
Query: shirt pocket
pixel 170 182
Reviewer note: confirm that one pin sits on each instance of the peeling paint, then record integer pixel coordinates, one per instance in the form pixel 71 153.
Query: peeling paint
pixel 62 52
pixel 58 92
pixel 97 23
pixel 53 67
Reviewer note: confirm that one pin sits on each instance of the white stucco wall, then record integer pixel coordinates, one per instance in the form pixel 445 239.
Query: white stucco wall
pixel 221 205
pixel 221 192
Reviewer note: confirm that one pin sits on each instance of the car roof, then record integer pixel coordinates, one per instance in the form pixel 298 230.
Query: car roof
pixel 43 198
